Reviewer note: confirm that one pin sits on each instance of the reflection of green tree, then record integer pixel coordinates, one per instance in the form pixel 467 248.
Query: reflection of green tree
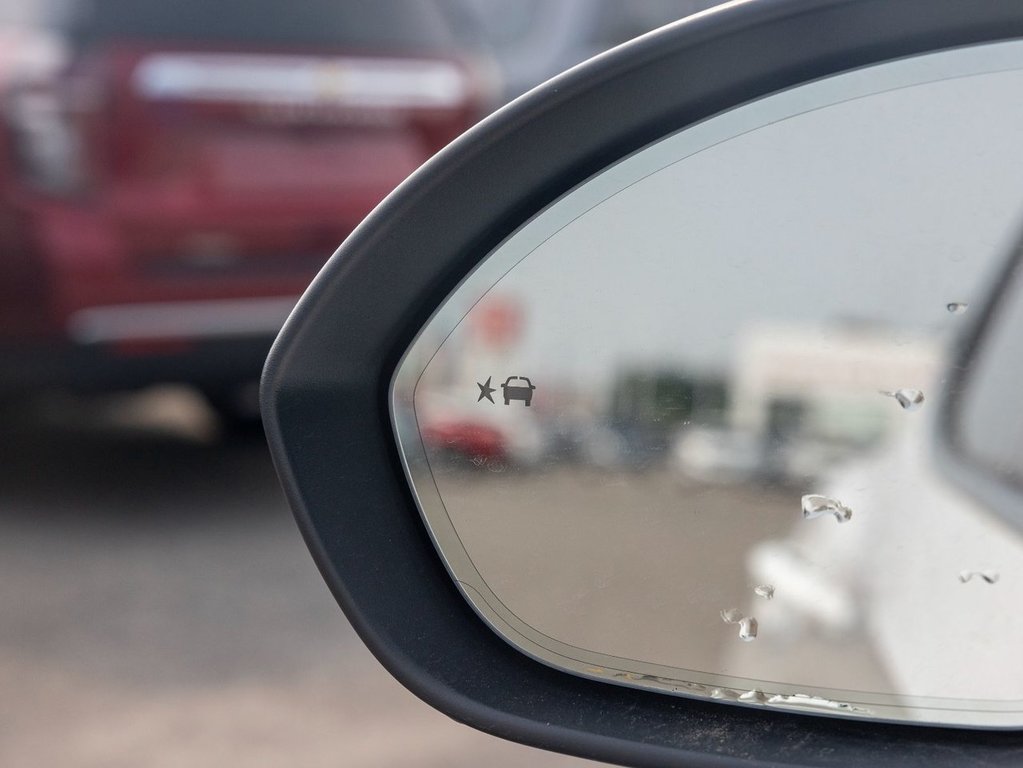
pixel 662 400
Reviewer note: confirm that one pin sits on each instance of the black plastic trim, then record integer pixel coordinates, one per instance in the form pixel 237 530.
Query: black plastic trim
pixel 998 493
pixel 326 381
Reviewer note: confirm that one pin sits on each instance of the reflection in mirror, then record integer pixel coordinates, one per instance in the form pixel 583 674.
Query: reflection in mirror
pixel 678 430
pixel 986 427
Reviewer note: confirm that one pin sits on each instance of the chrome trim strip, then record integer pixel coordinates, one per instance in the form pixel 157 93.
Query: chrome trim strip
pixel 305 80
pixel 184 319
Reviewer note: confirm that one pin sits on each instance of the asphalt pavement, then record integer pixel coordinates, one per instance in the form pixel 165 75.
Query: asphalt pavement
pixel 158 608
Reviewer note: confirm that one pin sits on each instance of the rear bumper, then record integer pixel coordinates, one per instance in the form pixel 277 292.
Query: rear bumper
pixel 100 314
pixel 104 278
pixel 209 363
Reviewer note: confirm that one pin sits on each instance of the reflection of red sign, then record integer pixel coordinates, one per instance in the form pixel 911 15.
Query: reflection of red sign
pixel 497 321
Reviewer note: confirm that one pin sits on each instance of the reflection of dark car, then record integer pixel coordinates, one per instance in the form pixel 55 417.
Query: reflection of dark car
pixel 518 392
pixel 168 192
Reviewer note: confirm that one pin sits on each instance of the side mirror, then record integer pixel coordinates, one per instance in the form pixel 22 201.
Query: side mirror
pixel 621 428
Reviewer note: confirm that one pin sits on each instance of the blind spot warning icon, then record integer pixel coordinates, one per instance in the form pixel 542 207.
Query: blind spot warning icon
pixel 522 391
pixel 486 390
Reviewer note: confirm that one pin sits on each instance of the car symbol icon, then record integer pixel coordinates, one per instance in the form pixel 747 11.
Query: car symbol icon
pixel 517 392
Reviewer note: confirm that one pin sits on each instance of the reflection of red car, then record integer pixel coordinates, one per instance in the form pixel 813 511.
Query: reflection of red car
pixel 466 438
pixel 166 196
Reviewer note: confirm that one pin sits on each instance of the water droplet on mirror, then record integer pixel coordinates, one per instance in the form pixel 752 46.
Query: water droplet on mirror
pixel 957 307
pixel 765 591
pixel 909 399
pixel 991 577
pixel 731 616
pixel 748 629
pixel 815 505
pixel 747 624
pixel 807 701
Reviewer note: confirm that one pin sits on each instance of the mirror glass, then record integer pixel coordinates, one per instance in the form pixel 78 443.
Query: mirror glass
pixel 682 429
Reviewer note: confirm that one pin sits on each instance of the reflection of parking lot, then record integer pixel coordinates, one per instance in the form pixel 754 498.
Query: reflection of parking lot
pixel 158 608
pixel 640 565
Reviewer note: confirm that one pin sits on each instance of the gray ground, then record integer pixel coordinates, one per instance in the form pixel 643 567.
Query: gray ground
pixel 157 608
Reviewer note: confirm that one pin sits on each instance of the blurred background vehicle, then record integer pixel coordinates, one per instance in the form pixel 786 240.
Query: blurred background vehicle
pixel 178 173
pixel 171 177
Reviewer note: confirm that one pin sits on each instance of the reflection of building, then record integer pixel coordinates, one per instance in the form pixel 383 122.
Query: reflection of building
pixel 803 399
pixel 826 381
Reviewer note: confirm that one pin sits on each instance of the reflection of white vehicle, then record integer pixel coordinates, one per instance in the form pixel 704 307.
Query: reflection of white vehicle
pixel 894 574
pixel 717 455
pixel 720 455
pixel 807 459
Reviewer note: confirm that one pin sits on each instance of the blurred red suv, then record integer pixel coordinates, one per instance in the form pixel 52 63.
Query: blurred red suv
pixel 169 190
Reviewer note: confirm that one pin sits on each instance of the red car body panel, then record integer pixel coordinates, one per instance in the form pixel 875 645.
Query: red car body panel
pixel 204 204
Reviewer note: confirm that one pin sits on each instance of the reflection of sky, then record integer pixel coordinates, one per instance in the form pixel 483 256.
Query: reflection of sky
pixel 878 210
